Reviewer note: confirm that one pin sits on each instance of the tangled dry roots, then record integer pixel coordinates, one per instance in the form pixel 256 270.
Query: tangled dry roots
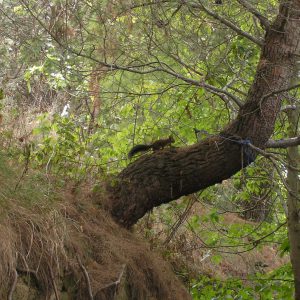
pixel 73 249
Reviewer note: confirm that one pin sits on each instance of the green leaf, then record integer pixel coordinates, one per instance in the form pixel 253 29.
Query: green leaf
pixel 284 247
pixel 216 259
pixel 214 216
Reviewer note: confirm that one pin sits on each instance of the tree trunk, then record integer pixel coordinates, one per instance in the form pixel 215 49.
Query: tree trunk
pixel 293 201
pixel 171 173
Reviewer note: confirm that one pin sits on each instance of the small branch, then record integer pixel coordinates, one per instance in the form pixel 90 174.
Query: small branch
pixel 273 160
pixel 262 19
pixel 138 69
pixel 280 91
pixel 13 287
pixel 181 219
pixel 181 62
pixel 279 172
pixel 288 108
pixel 115 283
pixel 255 206
pixel 133 6
pixel 258 241
pixel 237 90
pixel 119 279
pixel 266 154
pixel 224 98
pixel 284 143
pixel 87 278
pixel 218 91
pixel 26 153
pixel 229 24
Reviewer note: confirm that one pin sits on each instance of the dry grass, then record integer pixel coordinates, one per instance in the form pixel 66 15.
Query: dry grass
pixel 64 245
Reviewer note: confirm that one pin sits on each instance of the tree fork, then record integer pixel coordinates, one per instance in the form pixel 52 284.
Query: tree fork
pixel 171 173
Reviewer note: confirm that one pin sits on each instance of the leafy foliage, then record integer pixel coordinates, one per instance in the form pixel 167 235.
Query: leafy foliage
pixel 277 285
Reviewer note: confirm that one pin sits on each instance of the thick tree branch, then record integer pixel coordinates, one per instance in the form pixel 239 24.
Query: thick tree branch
pixel 284 143
pixel 171 173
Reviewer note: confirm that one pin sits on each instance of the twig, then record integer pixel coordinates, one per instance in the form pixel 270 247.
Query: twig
pixel 262 152
pixel 13 286
pixel 273 158
pixel 280 91
pixel 119 279
pixel 87 278
pixel 117 282
pixel 138 69
pixel 262 19
pixel 288 108
pixel 181 219
pixel 229 24
pixel 27 153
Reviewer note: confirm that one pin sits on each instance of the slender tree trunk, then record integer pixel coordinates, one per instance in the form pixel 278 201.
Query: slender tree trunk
pixel 293 200
pixel 171 173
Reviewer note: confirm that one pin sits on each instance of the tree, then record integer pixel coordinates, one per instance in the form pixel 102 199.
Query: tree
pixel 156 46
pixel 293 197
pixel 170 174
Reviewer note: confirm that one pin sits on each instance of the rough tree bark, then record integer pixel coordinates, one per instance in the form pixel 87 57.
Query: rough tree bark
pixel 171 173
pixel 293 200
